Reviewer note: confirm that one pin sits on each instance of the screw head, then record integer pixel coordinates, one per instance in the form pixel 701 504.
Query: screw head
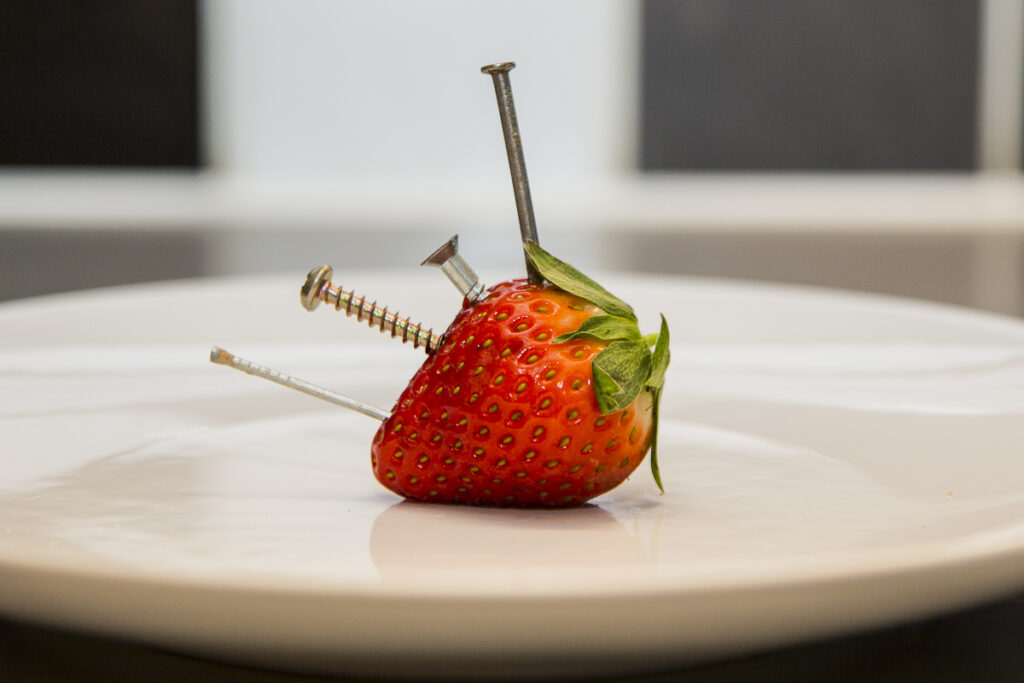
pixel 309 295
pixel 444 253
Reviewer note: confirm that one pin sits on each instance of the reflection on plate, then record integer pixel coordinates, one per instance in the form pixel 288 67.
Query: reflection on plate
pixel 832 462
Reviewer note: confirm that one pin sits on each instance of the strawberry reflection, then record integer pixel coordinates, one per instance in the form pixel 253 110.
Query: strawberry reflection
pixel 476 548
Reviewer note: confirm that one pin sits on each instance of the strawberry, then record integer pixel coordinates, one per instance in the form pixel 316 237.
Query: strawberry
pixel 540 395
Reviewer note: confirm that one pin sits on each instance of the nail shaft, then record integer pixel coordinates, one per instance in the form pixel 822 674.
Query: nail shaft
pixel 319 288
pixel 516 162
pixel 222 357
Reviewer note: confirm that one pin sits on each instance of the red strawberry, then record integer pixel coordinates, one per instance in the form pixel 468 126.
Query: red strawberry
pixel 541 394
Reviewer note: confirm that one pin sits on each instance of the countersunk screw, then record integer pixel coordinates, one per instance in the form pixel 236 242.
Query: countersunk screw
pixel 319 288
pixel 447 258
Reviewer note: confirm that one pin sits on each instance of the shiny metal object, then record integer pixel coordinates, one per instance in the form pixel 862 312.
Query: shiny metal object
pixel 222 357
pixel 447 258
pixel 516 162
pixel 319 288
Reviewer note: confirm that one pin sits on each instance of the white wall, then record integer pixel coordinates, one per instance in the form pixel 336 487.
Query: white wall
pixel 352 118
pixel 393 89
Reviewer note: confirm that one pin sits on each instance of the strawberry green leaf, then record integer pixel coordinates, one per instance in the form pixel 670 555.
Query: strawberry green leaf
pixel 566 277
pixel 659 364
pixel 655 469
pixel 604 327
pixel 620 372
pixel 660 357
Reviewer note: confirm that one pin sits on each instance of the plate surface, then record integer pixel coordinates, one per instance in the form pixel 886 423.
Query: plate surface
pixel 831 462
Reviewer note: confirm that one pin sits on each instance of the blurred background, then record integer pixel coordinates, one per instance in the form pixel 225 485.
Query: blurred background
pixel 862 144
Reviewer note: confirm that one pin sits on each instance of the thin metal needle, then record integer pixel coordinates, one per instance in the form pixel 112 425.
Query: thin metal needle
pixel 222 357
pixel 516 163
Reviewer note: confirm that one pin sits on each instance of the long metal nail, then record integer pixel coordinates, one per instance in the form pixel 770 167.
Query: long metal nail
pixel 447 258
pixel 516 162
pixel 222 357
pixel 319 288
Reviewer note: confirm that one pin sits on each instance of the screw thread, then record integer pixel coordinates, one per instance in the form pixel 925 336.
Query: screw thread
pixel 380 317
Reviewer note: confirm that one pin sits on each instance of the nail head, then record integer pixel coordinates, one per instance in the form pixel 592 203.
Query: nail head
pixel 498 68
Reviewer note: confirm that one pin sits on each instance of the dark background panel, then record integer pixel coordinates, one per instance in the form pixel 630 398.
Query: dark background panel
pixel 99 83
pixel 38 260
pixel 934 267
pixel 809 85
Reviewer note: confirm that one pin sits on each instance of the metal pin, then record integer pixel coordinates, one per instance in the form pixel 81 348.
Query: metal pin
pixel 222 357
pixel 318 287
pixel 516 163
pixel 447 258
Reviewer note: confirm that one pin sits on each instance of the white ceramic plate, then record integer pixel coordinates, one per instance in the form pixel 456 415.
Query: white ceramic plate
pixel 832 462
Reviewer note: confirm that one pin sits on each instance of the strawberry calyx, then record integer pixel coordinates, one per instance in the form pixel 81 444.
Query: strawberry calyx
pixel 627 365
pixel 564 276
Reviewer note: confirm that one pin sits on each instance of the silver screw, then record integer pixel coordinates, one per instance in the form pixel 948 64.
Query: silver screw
pixel 319 288
pixel 447 258
pixel 516 162
pixel 222 357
